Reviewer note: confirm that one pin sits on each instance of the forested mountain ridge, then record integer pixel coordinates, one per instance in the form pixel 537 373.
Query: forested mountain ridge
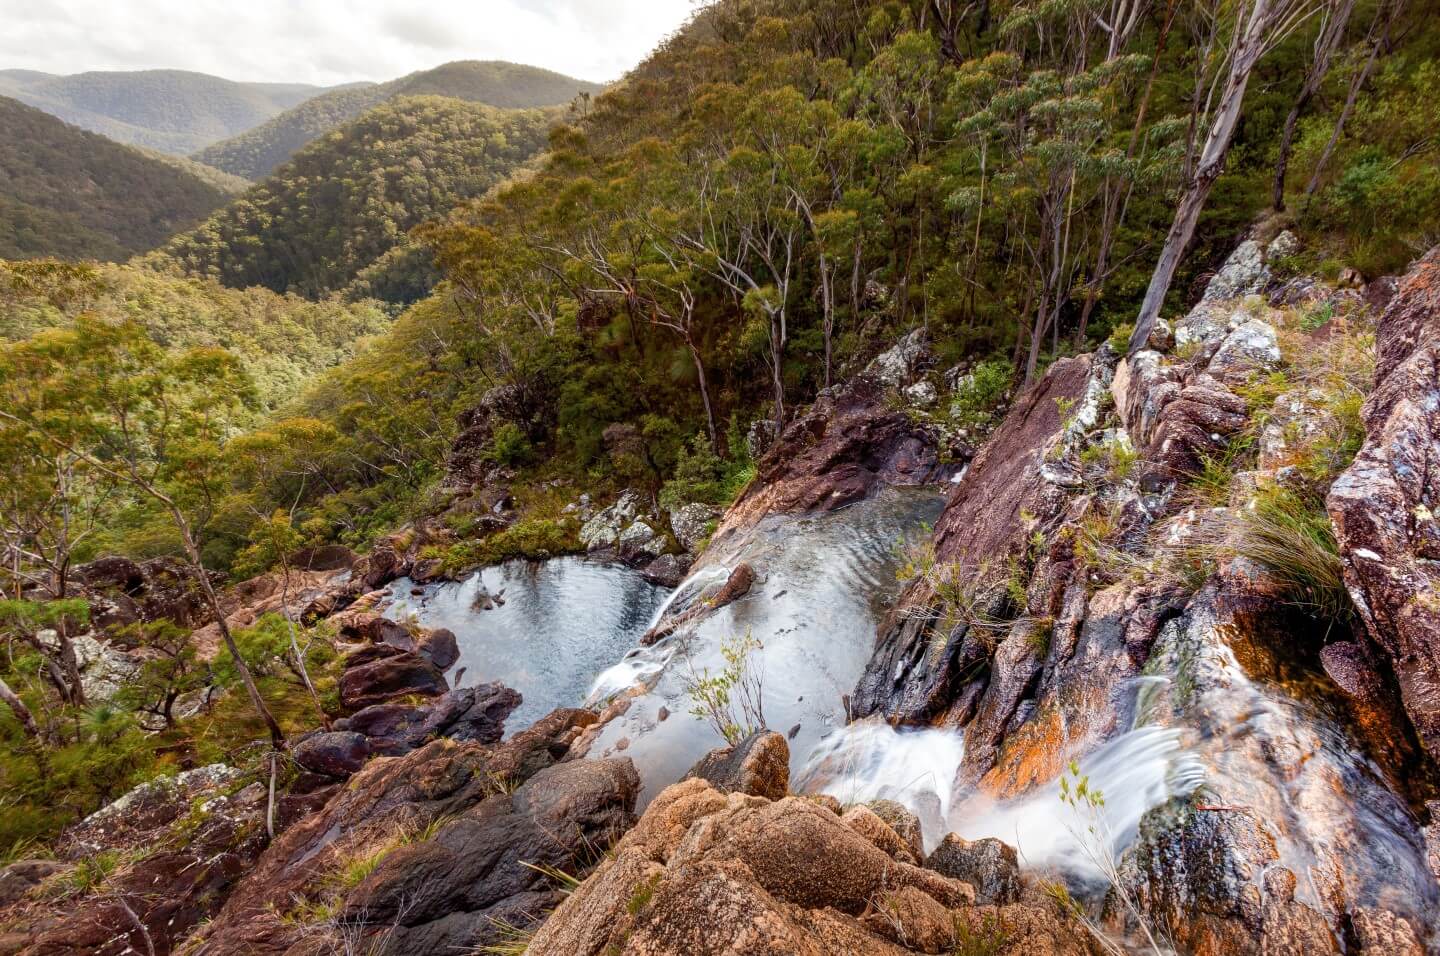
pixel 347 200
pixel 68 192
pixel 174 111
pixel 256 153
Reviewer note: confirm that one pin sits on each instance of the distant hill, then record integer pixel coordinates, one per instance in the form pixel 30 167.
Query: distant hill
pixel 342 208
pixel 256 153
pixel 71 193
pixel 173 111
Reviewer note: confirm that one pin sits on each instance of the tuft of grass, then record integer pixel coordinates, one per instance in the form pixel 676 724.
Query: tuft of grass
pixel 514 940
pixel 1289 534
pixel 566 883
pixel 985 937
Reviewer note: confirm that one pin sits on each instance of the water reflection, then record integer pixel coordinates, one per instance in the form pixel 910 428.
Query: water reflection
pixel 562 622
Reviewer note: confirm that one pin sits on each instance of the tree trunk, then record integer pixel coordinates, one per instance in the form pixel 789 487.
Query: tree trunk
pixel 1385 17
pixel 777 371
pixel 197 564
pixel 704 392
pixel 18 708
pixel 827 305
pixel 1207 169
pixel 1332 31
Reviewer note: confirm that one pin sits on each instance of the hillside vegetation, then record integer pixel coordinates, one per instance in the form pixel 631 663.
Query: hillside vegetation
pixel 282 342
pixel 347 200
pixel 256 153
pixel 70 193
pixel 174 111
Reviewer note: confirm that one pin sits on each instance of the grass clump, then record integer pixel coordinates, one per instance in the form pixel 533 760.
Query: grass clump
pixel 1289 533
pixel 527 538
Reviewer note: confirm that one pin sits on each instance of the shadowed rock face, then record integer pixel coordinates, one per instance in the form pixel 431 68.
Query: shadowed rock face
pixel 838 451
pixel 1384 507
pixel 447 827
pixel 989 516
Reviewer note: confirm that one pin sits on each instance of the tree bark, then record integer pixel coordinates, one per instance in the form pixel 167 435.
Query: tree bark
pixel 1332 31
pixel 18 708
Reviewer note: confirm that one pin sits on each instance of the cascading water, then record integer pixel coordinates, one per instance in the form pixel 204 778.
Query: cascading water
pixel 821 583
pixel 552 625
pixel 1136 771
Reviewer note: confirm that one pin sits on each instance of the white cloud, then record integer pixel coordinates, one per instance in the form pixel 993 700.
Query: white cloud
pixel 332 41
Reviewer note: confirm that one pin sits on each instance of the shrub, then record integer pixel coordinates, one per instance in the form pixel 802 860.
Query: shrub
pixel 699 476
pixel 509 446
pixel 979 396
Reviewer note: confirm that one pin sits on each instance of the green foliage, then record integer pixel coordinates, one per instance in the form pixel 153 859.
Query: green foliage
pixel 531 537
pixel 255 153
pixel 509 446
pixel 349 198
pixel 732 700
pixel 1289 534
pixel 976 404
pixel 69 193
pixel 700 475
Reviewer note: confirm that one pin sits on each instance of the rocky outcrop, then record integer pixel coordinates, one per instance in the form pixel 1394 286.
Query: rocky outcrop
pixel 182 843
pixel 1007 493
pixel 758 765
pixel 706 873
pixel 382 673
pixel 122 592
pixel 837 451
pixel 439 839
pixel 1385 505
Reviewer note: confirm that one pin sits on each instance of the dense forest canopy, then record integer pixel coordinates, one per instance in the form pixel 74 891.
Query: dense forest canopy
pixel 350 198
pixel 67 192
pixel 175 111
pixel 257 152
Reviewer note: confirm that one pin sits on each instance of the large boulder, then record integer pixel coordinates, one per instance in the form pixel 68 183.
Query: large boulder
pixel 440 837
pixel 989 865
pixel 758 765
pixel 469 713
pixel 334 754
pixel 1384 507
pixel 380 674
pixel 705 873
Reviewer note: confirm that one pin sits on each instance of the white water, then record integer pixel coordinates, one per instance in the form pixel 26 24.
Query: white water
pixel 1136 771
pixel 821 583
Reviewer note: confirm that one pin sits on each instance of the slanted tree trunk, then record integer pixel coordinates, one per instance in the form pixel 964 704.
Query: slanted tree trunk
pixel 1332 31
pixel 1261 25
pixel 1379 37
pixel 21 712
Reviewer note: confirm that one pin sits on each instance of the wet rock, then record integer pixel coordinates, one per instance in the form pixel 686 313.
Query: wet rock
pixel 668 570
pixel 335 754
pixel 836 452
pixel 915 674
pixel 759 766
pixel 439 647
pixel 990 866
pixel 372 679
pixel 1382 933
pixel 1384 506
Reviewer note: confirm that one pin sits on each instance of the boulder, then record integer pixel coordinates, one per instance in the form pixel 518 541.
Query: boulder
pixel 469 713
pixel 667 571
pixel 691 524
pixel 1251 347
pixel 374 679
pixel 898 365
pixel 439 647
pixel 1384 506
pixel 990 866
pixel 903 822
pixel 1244 273
pixel 868 824
pixel 759 766
pixel 334 754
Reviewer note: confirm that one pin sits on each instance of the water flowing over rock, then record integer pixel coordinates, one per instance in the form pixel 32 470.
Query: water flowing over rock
pixel 1385 505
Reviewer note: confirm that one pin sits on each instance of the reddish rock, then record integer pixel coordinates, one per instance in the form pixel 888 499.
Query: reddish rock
pixel 334 754
pixel 1386 504
pixel 758 765
pixel 836 452
pixel 379 674
pixel 439 647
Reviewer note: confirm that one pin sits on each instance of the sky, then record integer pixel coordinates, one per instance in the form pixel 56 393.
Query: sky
pixel 332 41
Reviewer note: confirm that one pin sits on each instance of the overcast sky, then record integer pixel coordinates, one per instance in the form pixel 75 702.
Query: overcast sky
pixel 332 41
